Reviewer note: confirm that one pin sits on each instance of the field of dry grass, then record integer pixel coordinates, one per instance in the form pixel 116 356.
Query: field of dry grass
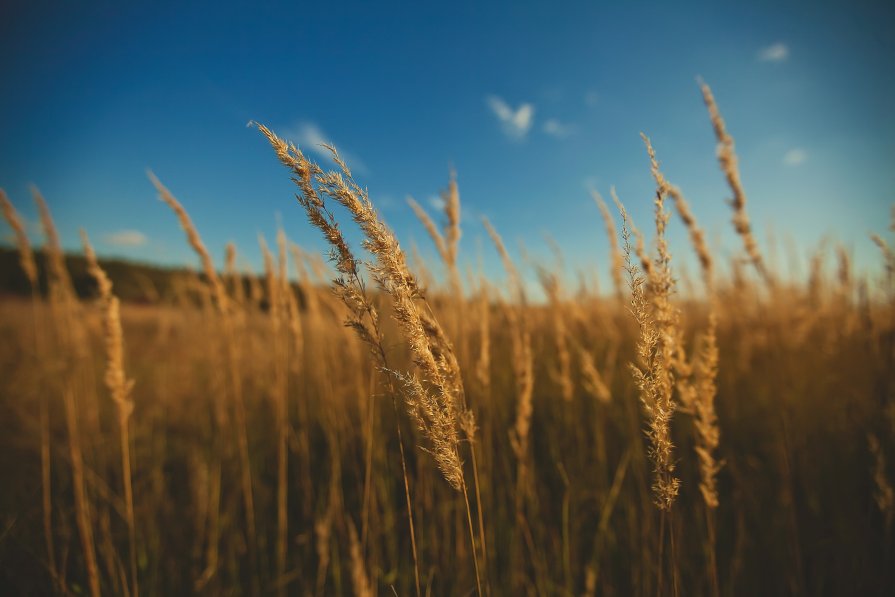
pixel 351 430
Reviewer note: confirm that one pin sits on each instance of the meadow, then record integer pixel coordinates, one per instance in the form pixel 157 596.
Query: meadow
pixel 354 424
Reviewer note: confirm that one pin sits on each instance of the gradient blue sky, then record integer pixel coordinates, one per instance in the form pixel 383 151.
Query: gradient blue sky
pixel 96 93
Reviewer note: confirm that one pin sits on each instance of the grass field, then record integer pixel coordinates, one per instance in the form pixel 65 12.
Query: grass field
pixel 234 436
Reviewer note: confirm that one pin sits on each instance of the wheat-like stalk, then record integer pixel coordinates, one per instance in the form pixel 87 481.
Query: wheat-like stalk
pixel 294 318
pixel 60 283
pixel 359 577
pixel 523 359
pixel 277 286
pixel 232 357
pixel 592 381
pixel 437 401
pixel 706 422
pixel 29 267
pixel 195 241
pixel 844 273
pixel 727 158
pixel 436 410
pixel 884 494
pixel 26 255
pixel 888 254
pixel 653 375
pixel 615 253
pixel 447 242
pixel 235 279
pixel 563 373
pixel 698 394
pixel 116 380
pixel 430 226
pixel 523 371
pixel 639 248
pixel 72 340
pixel 483 364
pixel 305 285
pixel 697 236
pixel 120 388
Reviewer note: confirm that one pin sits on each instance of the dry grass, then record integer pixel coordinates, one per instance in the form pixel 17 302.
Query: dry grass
pixel 246 447
pixel 120 388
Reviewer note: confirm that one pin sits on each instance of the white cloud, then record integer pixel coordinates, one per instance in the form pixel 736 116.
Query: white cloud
pixel 436 202
pixel 591 98
pixel 384 202
pixel 515 123
pixel 125 238
pixel 557 129
pixel 795 157
pixel 309 137
pixel 777 52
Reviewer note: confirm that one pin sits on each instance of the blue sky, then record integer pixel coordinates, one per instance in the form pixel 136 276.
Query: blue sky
pixel 530 102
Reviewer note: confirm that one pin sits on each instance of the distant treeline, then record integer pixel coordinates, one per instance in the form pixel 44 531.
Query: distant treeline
pixel 133 282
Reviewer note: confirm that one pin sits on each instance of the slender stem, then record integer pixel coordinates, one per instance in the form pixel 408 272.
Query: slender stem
pixel 243 448
pixel 393 392
pixel 475 557
pixel 46 481
pixel 672 554
pixel 478 505
pixel 368 473
pixel 123 419
pixel 82 507
pixel 281 377
pixel 45 462
pixel 661 552
pixel 710 538
pixel 282 495
pixel 214 526
pixel 517 563
pixel 416 566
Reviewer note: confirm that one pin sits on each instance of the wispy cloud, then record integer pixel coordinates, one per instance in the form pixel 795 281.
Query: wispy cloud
pixel 310 137
pixel 384 202
pixel 557 129
pixel 125 238
pixel 515 123
pixel 436 203
pixel 777 52
pixel 795 157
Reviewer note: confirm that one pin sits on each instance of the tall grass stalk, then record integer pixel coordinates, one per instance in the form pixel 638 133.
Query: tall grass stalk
pixel 71 341
pixel 232 360
pixel 349 288
pixel 120 388
pixel 29 267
